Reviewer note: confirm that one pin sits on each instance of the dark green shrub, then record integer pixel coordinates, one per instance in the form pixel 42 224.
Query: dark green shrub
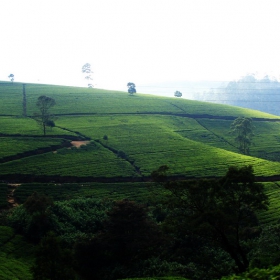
pixel 122 154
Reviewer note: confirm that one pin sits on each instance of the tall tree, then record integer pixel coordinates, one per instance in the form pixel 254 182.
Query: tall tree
pixel 44 118
pixel 222 211
pixel 243 129
pixel 86 69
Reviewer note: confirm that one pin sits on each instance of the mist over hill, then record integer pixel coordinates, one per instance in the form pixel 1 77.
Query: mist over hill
pixel 189 89
pixel 261 94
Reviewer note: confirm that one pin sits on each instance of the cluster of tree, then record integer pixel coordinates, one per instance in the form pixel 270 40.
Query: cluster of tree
pixel 249 92
pixel 198 229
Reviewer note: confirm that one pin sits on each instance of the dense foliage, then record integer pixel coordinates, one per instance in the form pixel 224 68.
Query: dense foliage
pixel 197 229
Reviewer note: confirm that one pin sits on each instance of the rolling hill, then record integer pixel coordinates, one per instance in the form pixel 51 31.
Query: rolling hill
pixel 130 136
pixel 105 144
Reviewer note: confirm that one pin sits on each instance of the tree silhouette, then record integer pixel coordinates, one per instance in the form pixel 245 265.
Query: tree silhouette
pixel 177 93
pixel 128 237
pixel 11 77
pixel 52 261
pixel 44 118
pixel 243 129
pixel 86 69
pixel 131 88
pixel 221 211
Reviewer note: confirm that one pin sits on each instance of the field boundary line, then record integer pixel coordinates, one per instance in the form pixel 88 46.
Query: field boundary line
pixel 136 168
pixel 185 115
pixel 216 135
pixel 30 178
pixel 38 151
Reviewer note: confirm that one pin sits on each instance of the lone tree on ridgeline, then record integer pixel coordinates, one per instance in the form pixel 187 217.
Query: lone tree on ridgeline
pixel 131 88
pixel 86 69
pixel 44 118
pixel 178 93
pixel 243 129
pixel 11 77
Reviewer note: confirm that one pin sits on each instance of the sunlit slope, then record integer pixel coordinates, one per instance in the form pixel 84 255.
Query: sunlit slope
pixel 183 156
pixel 130 135
pixel 265 142
pixel 150 141
pixel 74 100
pixel 91 161
pixel 12 146
pixel 13 125
pixel 145 142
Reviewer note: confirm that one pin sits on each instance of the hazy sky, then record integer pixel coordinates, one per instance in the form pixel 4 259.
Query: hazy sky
pixel 142 41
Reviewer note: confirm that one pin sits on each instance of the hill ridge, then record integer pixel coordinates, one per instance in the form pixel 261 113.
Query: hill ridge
pixel 142 132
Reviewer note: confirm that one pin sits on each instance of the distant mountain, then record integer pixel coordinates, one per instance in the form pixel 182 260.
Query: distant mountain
pixel 248 92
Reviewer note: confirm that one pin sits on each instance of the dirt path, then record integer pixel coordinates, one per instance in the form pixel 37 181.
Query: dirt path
pixel 78 144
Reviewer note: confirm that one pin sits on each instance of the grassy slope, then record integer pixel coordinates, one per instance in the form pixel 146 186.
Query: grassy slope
pixel 83 100
pixel 149 130
pixel 12 146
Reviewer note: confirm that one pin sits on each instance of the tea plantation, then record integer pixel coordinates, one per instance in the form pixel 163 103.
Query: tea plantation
pixel 130 135
pixel 127 138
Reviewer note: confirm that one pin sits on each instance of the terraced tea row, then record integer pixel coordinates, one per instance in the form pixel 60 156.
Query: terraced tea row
pixel 266 139
pixel 142 143
pixel 129 143
pixel 272 215
pixel 151 141
pixel 141 192
pixel 18 126
pixel 94 161
pixel 13 146
pixel 114 191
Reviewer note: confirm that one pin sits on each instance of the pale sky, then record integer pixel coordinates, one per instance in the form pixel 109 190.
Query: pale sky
pixel 140 41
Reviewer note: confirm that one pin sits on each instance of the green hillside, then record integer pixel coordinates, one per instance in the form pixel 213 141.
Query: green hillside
pixel 124 138
pixel 130 135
